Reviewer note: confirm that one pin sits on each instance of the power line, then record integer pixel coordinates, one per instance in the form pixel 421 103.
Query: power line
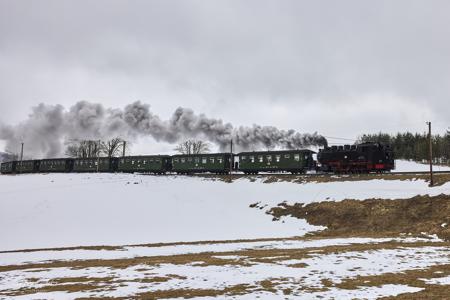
pixel 338 138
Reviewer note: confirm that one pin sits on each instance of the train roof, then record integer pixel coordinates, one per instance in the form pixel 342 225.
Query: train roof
pixel 202 154
pixel 277 152
pixel 144 156
pixel 48 159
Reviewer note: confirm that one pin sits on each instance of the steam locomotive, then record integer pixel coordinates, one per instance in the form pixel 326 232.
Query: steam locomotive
pixel 361 158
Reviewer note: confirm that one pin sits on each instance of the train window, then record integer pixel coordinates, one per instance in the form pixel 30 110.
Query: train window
pixel 243 157
pixel 297 157
pixel 219 160
pixel 182 160
pixel 211 160
pixel 189 159
pixel 306 156
pixel 157 160
pixel 96 163
pixel 260 158
pixel 204 160
pixel 287 156
pixel 197 159
pixel 269 158
pixel 252 159
pixel 132 162
pixel 175 160
pixel 277 158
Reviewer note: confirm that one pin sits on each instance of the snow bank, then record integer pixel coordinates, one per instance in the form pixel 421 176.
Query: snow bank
pixel 59 210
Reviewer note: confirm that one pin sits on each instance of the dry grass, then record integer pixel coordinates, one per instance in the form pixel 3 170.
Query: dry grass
pixel 374 216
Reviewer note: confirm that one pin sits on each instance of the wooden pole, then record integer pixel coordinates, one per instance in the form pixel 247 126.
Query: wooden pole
pixel 98 155
pixel 21 158
pixel 124 144
pixel 231 156
pixel 430 153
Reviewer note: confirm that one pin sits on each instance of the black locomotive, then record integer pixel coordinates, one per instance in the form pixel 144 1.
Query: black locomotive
pixel 361 158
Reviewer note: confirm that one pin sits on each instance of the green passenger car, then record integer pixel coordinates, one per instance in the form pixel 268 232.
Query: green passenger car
pixel 56 165
pixel 158 164
pixel 8 167
pixel 105 164
pixel 27 166
pixel 294 161
pixel 198 163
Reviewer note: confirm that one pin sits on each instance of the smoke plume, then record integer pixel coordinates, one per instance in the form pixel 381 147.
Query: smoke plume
pixel 49 126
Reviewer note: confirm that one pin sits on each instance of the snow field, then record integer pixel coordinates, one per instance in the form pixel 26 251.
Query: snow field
pixel 61 210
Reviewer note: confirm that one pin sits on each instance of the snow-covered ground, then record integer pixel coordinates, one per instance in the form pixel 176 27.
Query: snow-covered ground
pixel 304 277
pixel 58 210
pixel 411 166
pixel 61 210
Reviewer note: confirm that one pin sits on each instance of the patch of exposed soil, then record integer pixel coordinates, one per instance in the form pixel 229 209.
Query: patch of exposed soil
pixel 373 216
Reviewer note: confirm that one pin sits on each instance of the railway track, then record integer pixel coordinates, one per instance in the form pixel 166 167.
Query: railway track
pixel 322 174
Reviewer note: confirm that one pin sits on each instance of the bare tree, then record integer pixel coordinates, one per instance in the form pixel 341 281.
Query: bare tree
pixel 192 147
pixel 200 147
pixel 112 147
pixel 83 148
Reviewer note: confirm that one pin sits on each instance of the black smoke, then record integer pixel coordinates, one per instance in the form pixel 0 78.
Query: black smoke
pixel 49 126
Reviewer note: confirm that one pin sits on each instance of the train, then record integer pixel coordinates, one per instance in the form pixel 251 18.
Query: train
pixel 359 158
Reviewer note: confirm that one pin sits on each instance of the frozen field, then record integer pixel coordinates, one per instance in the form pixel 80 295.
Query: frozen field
pixel 133 212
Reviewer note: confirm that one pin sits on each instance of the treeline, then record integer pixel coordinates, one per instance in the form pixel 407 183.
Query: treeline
pixel 414 145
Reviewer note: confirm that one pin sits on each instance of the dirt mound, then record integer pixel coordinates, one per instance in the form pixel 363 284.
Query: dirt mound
pixel 415 215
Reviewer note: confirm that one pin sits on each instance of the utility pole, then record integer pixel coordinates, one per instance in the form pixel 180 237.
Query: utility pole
pixel 430 153
pixel 124 145
pixel 98 155
pixel 231 157
pixel 21 158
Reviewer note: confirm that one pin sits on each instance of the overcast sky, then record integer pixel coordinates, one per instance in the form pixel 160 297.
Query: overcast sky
pixel 341 68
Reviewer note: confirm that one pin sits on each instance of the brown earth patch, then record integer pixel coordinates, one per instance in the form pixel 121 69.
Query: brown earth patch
pixel 361 218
